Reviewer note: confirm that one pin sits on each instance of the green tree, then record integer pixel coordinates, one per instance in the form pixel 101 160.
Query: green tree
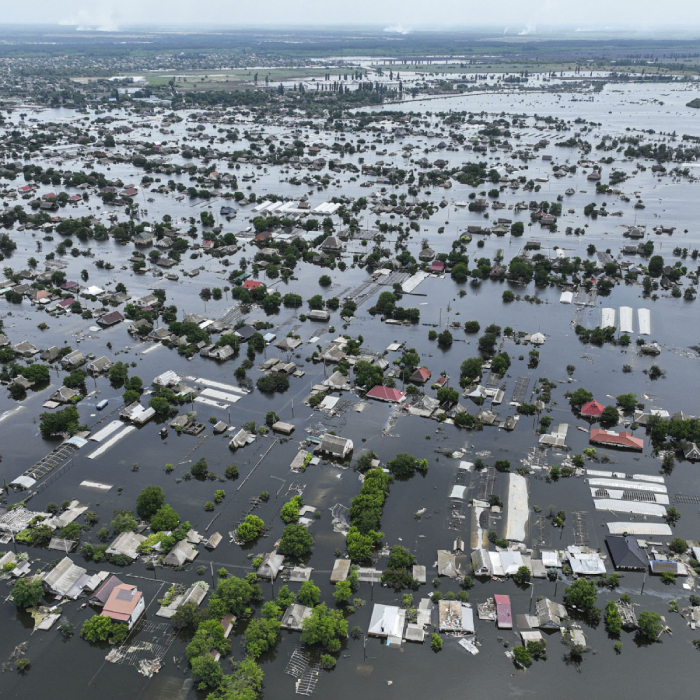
pixel 209 635
pixel 250 528
pixel 101 629
pixel 149 501
pixel 579 397
pixel 27 593
pixel 236 594
pixel 435 642
pixel 124 522
pixel 522 575
pixel 343 591
pixel 522 656
pixel 208 669
pixel 165 518
pixel 59 422
pixel 290 510
pixel 309 594
pixel 243 684
pixel 324 627
pixel 628 402
pixel 118 373
pixel 260 635
pixel 200 468
pixel 656 266
pixel 187 618
pixel 610 416
pixel 613 619
pixel 678 545
pixel 400 558
pixel 582 593
pixel 650 625
pixel 403 465
pixel 296 541
pixel 368 375
pixel 160 405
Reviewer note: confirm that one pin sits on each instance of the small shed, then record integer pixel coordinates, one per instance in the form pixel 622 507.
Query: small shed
pixel 341 570
pixel 214 541
pixel 282 427
pixel 419 574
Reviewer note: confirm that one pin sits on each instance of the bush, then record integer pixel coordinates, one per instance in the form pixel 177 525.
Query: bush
pixel 522 657
pixel 101 629
pixel 231 471
pixel 435 642
pixel 522 575
pixel 678 545
pixel 200 468
pixel 327 661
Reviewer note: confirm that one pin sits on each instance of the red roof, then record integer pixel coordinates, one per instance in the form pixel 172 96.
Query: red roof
pixel 122 602
pixel 624 439
pixel 592 408
pixel 422 373
pixel 503 611
pixel 385 393
pixel 251 284
pixel 437 266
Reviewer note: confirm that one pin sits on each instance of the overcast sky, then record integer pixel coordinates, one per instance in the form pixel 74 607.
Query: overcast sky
pixel 402 14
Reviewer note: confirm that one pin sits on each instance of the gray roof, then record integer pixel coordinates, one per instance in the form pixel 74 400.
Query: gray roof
pixel 294 616
pixel 101 595
pixel 126 543
pixel 270 566
pixel 336 445
pixel 63 578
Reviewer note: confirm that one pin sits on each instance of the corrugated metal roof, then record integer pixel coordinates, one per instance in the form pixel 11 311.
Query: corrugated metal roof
pixel 620 528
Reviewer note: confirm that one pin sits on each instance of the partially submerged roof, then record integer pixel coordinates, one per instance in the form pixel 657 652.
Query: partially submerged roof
pixel 64 579
pixel 122 602
pixel 101 595
pixel 626 553
pixel 341 569
pixel 294 617
pixel 270 566
pixel 387 621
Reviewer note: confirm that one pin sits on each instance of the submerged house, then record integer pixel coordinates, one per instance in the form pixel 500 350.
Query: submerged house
pixel 336 446
pixel 610 438
pixel 125 604
pixel 626 554
pixel 550 614
pixel 294 617
pixel 387 621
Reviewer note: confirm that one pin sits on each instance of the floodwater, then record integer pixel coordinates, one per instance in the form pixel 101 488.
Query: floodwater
pixel 74 669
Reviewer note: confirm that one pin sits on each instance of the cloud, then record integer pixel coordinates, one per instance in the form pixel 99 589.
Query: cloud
pixel 93 19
